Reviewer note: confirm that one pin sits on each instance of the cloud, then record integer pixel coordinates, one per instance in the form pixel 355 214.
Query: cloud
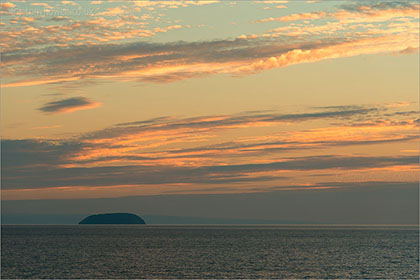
pixel 46 5
pixel 139 175
pixel 69 3
pixel 74 32
pixel 345 49
pixel 59 18
pixel 366 21
pixel 6 6
pixel 409 50
pixel 219 122
pixel 174 27
pixel 187 153
pixel 108 47
pixel 173 4
pixel 68 105
pixel 358 13
pixel 112 12
pixel 168 62
pixel 294 17
pixel 272 2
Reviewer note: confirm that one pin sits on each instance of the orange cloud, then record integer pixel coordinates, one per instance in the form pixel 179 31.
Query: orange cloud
pixel 185 155
pixel 174 141
pixel 6 6
pixel 354 33
pixel 182 62
pixel 112 12
pixel 362 13
pixel 347 49
pixel 293 17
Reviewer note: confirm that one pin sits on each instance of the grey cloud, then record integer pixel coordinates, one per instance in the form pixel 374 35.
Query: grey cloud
pixel 233 149
pixel 223 122
pixel 61 106
pixel 149 121
pixel 380 5
pixel 105 59
pixel 34 163
pixel 26 153
pixel 267 147
pixel 29 60
pixel 41 177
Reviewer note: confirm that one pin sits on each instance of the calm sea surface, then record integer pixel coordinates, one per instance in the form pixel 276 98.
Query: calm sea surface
pixel 209 252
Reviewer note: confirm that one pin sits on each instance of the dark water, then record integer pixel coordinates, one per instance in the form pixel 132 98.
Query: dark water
pixel 208 252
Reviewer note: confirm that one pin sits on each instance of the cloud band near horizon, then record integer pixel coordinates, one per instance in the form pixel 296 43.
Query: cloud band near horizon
pixel 185 155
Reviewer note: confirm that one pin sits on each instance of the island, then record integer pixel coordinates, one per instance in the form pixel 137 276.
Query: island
pixel 113 219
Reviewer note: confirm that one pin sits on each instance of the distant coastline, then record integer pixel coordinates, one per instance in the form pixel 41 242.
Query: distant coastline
pixel 72 219
pixel 113 218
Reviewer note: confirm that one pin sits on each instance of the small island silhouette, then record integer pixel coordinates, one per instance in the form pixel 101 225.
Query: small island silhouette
pixel 112 218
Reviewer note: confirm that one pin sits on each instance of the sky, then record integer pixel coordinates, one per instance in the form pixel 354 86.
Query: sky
pixel 282 110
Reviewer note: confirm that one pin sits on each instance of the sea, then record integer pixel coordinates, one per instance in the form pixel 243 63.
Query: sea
pixel 211 251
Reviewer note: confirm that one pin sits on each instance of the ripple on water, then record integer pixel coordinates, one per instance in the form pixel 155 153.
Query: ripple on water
pixel 207 252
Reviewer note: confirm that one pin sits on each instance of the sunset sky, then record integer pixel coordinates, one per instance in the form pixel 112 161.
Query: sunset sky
pixel 315 100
